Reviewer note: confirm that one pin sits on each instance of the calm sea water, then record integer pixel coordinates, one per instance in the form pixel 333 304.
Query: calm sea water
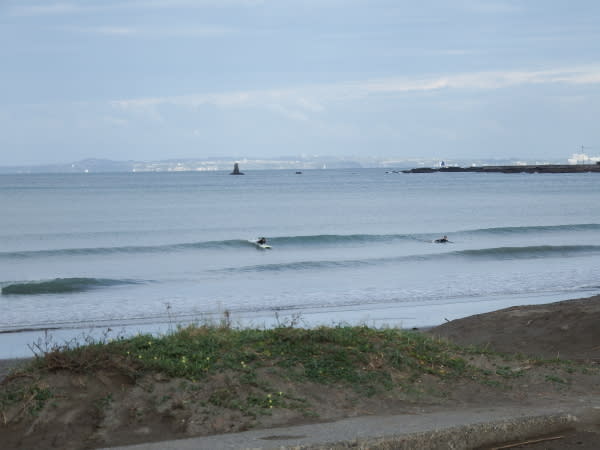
pixel 137 251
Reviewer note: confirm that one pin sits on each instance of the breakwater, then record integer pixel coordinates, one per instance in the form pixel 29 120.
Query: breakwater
pixel 540 168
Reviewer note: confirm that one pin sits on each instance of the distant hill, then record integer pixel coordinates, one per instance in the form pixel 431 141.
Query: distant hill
pixel 97 165
pixel 89 165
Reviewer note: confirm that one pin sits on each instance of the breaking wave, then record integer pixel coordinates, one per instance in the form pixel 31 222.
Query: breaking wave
pixel 297 241
pixel 60 285
pixel 496 253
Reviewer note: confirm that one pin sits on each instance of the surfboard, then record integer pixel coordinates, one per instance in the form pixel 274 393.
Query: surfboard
pixel 263 246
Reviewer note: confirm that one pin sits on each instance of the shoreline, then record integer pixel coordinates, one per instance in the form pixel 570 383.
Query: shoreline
pixel 535 368
pixel 7 364
pixel 408 315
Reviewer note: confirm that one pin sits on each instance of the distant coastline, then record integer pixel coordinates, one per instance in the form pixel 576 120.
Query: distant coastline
pixel 540 168
pixel 295 163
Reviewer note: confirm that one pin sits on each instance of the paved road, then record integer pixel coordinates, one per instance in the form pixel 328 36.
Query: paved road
pixel 461 429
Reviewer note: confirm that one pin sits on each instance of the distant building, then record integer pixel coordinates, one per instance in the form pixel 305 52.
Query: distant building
pixel 582 158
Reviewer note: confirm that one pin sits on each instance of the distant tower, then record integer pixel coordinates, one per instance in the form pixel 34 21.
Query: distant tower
pixel 236 170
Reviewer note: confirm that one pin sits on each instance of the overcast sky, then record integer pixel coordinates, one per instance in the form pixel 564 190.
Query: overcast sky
pixel 160 79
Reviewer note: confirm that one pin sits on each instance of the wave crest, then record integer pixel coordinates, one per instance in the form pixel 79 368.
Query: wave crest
pixel 297 241
pixel 59 286
pixel 492 254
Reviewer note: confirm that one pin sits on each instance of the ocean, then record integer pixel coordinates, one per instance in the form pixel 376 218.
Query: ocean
pixel 100 254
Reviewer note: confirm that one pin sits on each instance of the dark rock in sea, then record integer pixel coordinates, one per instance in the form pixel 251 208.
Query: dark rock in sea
pixel 236 170
pixel 421 170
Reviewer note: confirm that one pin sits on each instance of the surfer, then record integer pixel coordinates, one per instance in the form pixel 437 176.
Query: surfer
pixel 262 241
pixel 442 240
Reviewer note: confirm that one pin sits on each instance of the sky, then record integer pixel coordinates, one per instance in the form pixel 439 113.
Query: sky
pixel 173 79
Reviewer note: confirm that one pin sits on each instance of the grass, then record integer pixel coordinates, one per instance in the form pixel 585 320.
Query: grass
pixel 366 359
pixel 30 394
pixel 359 356
pixel 555 379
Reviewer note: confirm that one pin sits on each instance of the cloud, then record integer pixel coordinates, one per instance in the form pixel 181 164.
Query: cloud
pixel 110 30
pixel 454 52
pixel 287 103
pixel 53 8
pixel 292 114
pixel 491 7
pixel 47 9
pixel 299 102
pixel 115 121
pixel 485 80
pixel 199 31
pixel 105 30
pixel 496 80
pixel 195 3
pixel 64 8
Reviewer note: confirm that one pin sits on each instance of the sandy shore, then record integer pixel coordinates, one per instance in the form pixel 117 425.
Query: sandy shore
pixel 566 329
pixel 132 414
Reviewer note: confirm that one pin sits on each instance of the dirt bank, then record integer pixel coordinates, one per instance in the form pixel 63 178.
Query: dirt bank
pixel 568 330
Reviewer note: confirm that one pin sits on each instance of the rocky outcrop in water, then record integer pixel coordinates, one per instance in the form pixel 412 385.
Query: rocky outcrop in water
pixel 236 170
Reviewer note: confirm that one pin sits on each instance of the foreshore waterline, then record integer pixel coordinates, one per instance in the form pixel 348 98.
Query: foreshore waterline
pixel 10 361
pixel 25 343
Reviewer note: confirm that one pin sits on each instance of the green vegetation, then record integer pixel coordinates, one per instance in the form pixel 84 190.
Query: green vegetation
pixel 258 368
pixel 508 372
pixel 360 356
pixel 555 379
pixel 29 394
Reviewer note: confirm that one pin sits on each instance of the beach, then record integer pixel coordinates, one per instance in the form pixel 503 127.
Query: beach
pixel 563 330
pixel 567 330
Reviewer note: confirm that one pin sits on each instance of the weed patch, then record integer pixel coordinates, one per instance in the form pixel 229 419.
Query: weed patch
pixel 364 360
